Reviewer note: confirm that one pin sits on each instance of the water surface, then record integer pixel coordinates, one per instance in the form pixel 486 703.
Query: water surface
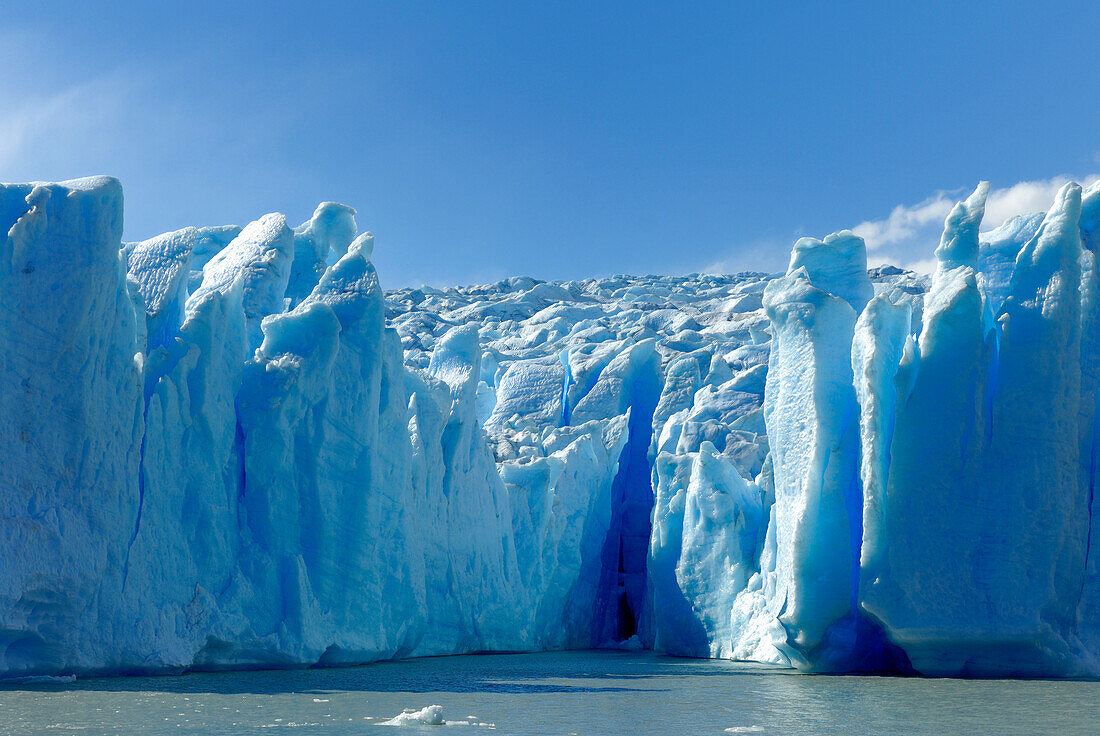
pixel 589 693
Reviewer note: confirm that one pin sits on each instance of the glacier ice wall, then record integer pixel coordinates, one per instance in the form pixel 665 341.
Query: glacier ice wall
pixel 235 468
pixel 228 447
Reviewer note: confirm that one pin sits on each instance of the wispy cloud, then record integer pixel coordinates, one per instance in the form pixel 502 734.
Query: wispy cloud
pixel 48 127
pixel 908 235
pixel 764 255
pixel 906 222
pixel 58 114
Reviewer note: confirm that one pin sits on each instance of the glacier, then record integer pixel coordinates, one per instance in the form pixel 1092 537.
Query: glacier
pixel 228 447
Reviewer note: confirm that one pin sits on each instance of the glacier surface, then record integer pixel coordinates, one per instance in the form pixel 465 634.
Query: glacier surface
pixel 228 447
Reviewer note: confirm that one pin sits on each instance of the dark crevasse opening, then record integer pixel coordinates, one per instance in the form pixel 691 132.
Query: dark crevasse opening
pixel 628 623
pixel 620 602
pixel 856 644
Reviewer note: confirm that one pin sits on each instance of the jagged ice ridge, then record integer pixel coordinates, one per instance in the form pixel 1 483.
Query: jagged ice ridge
pixel 228 447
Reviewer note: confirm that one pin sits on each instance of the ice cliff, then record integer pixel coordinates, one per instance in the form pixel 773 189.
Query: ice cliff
pixel 228 447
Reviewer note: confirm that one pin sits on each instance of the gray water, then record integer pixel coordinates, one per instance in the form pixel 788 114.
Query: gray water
pixel 591 693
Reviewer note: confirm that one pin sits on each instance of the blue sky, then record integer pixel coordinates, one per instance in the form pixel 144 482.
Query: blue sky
pixel 480 140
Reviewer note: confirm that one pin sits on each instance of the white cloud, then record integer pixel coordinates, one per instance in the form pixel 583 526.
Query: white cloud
pixel 910 234
pixel 905 222
pixel 1025 198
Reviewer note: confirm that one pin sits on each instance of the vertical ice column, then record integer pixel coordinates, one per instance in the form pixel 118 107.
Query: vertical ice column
pixel 70 425
pixel 959 243
pixel 721 520
pixel 674 622
pixel 1088 613
pixel 428 409
pixel 836 265
pixel 361 494
pixel 483 572
pixel 881 337
pixel 985 523
pixel 930 509
pixel 310 406
pixel 1033 556
pixel 179 588
pixel 812 419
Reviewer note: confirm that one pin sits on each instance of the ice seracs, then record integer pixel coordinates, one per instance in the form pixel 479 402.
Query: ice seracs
pixel 229 447
pixel 261 256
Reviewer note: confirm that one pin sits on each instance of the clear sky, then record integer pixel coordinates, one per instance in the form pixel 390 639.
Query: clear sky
pixel 561 140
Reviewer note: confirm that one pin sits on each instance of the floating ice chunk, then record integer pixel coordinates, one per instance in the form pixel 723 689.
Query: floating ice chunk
pixel 429 716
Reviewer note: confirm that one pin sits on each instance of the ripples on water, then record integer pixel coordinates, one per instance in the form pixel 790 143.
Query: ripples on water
pixel 589 693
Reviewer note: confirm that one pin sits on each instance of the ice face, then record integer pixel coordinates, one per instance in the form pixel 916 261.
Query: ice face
pixel 987 476
pixel 243 452
pixel 261 256
pixel 71 398
pixel 810 411
pixel 160 266
pixel 878 347
pixel 959 245
pixel 323 238
pixel 838 265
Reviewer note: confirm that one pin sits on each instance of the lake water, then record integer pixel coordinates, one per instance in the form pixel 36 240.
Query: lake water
pixel 591 693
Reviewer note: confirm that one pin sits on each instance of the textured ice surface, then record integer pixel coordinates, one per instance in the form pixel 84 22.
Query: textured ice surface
pixel 229 447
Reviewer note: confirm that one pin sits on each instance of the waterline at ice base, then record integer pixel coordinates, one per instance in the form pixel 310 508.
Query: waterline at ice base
pixel 229 448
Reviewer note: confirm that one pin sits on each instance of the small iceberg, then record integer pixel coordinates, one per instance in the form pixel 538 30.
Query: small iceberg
pixel 430 716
